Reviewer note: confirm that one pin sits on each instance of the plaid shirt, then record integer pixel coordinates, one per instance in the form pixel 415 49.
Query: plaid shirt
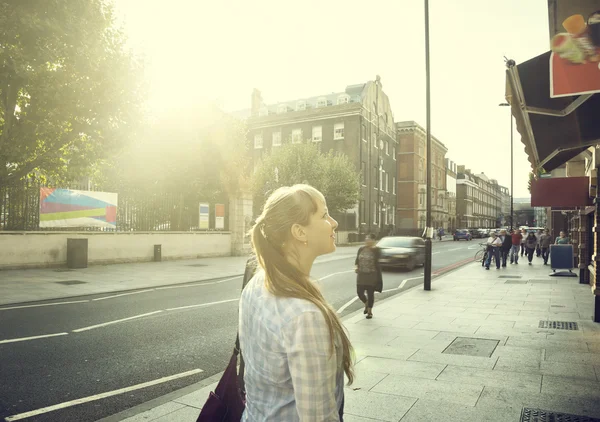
pixel 290 373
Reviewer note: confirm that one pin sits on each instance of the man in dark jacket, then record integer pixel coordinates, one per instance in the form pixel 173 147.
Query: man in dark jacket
pixel 506 246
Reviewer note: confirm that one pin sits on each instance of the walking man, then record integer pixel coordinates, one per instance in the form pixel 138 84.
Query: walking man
pixel 516 238
pixel 506 246
pixel 538 249
pixel 524 236
pixel 545 242
pixel 494 245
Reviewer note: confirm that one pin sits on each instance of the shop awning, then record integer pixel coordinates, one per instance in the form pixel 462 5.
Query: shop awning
pixel 553 130
pixel 561 192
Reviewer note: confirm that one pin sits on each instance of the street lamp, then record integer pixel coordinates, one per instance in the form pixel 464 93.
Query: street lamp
pixel 427 266
pixel 511 165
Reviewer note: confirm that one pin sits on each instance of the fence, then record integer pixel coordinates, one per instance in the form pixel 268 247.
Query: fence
pixel 136 211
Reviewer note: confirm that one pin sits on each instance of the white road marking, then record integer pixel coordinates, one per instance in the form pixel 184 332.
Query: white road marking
pixel 123 294
pixel 331 275
pixel 14 340
pixel 43 304
pixel 104 324
pixel 198 284
pixel 202 304
pixel 101 396
pixel 403 283
pixel 350 302
pixel 455 249
pixel 435 253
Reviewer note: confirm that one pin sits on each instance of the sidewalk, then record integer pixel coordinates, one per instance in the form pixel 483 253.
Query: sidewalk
pixel 18 286
pixel 469 350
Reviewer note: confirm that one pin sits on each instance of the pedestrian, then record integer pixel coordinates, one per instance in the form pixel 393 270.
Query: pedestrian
pixel 530 245
pixel 524 235
pixel 538 250
pixel 517 238
pixel 295 347
pixel 506 246
pixel 545 242
pixel 494 244
pixel 562 239
pixel 368 274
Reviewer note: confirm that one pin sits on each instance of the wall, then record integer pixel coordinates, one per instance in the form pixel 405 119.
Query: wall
pixel 49 249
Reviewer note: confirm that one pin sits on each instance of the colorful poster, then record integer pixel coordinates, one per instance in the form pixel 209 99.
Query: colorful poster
pixel 204 214
pixel 77 208
pixel 219 216
pixel 575 59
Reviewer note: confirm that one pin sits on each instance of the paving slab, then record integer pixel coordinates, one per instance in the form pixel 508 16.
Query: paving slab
pixel 435 411
pixel 370 404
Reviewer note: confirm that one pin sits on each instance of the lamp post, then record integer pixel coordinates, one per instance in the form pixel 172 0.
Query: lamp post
pixel 511 165
pixel 427 266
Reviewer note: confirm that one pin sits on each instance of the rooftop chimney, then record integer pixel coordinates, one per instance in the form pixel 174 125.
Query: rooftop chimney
pixel 256 102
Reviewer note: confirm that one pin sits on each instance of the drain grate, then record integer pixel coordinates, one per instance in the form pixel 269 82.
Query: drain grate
pixel 509 276
pixel 559 325
pixel 70 282
pixel 539 415
pixel 515 282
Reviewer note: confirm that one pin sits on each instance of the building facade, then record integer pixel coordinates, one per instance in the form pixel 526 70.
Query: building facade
pixel 504 217
pixel 478 202
pixel 357 122
pixel 451 171
pixel 412 175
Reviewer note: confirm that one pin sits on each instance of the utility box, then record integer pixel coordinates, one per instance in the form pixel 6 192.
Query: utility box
pixel 157 253
pixel 77 253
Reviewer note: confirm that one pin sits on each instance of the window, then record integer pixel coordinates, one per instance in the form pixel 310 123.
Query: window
pixel 281 109
pixel 394 185
pixel 394 153
pixel 258 141
pixel 301 105
pixel 343 99
pixel 364 133
pixel 264 111
pixel 420 170
pixel 374 139
pixel 387 182
pixel 381 144
pixel 317 133
pixel 421 149
pixel 363 168
pixel 338 131
pixel 375 213
pixel 375 178
pixel 381 187
pixel 322 102
pixel 296 136
pixel 362 212
pixel 277 139
pixel 387 147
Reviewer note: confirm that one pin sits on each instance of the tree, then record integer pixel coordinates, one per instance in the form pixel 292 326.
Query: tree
pixel 332 173
pixel 70 93
pixel 534 176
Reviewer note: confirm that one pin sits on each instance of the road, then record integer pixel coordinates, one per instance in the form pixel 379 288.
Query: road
pixel 109 344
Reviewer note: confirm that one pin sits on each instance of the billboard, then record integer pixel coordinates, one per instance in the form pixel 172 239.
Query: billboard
pixel 77 208
pixel 204 214
pixel 219 216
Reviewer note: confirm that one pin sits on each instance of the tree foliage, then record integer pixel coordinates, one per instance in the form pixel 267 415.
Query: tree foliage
pixel 534 176
pixel 332 173
pixel 70 93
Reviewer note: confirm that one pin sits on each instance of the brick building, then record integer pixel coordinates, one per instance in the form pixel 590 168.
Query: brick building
pixel 451 169
pixel 478 200
pixel 357 122
pixel 412 175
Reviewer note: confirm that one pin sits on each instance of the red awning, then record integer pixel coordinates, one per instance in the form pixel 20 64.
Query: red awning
pixel 561 192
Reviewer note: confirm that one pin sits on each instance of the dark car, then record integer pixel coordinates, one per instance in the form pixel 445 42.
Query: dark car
pixel 401 252
pixel 462 234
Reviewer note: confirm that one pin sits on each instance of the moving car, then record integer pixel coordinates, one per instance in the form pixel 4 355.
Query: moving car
pixel 401 252
pixel 462 234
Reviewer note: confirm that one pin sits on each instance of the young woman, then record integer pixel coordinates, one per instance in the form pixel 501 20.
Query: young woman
pixel 295 348
pixel 530 245
pixel 368 273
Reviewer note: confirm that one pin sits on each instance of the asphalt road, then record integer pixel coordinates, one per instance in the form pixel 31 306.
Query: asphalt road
pixel 184 332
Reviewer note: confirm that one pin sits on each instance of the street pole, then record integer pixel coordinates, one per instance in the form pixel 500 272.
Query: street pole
pixel 427 269
pixel 511 166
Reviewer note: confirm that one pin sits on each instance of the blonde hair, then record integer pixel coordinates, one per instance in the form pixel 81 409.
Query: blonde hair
pixel 285 207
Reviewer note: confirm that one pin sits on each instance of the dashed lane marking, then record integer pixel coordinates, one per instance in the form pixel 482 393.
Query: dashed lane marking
pixel 43 304
pixel 123 294
pixel 101 396
pixel 15 340
pixel 104 324
pixel 202 304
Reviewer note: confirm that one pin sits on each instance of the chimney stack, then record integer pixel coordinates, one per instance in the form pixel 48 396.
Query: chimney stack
pixel 256 102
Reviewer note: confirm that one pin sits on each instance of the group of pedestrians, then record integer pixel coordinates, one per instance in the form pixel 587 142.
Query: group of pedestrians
pixel 520 242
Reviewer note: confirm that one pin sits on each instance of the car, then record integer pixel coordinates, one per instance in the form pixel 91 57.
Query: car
pixel 401 252
pixel 462 234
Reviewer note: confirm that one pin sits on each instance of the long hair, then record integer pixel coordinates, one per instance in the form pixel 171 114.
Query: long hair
pixel 284 208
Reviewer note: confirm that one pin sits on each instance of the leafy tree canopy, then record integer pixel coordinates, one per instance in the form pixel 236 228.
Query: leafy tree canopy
pixel 70 93
pixel 332 173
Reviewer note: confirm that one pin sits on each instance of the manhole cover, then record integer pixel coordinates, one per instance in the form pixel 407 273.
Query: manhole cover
pixel 197 265
pixel 472 347
pixel 70 282
pixel 509 276
pixel 539 415
pixel 515 282
pixel 62 270
pixel 559 325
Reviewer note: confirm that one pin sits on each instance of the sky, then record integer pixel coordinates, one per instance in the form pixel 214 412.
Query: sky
pixel 197 51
